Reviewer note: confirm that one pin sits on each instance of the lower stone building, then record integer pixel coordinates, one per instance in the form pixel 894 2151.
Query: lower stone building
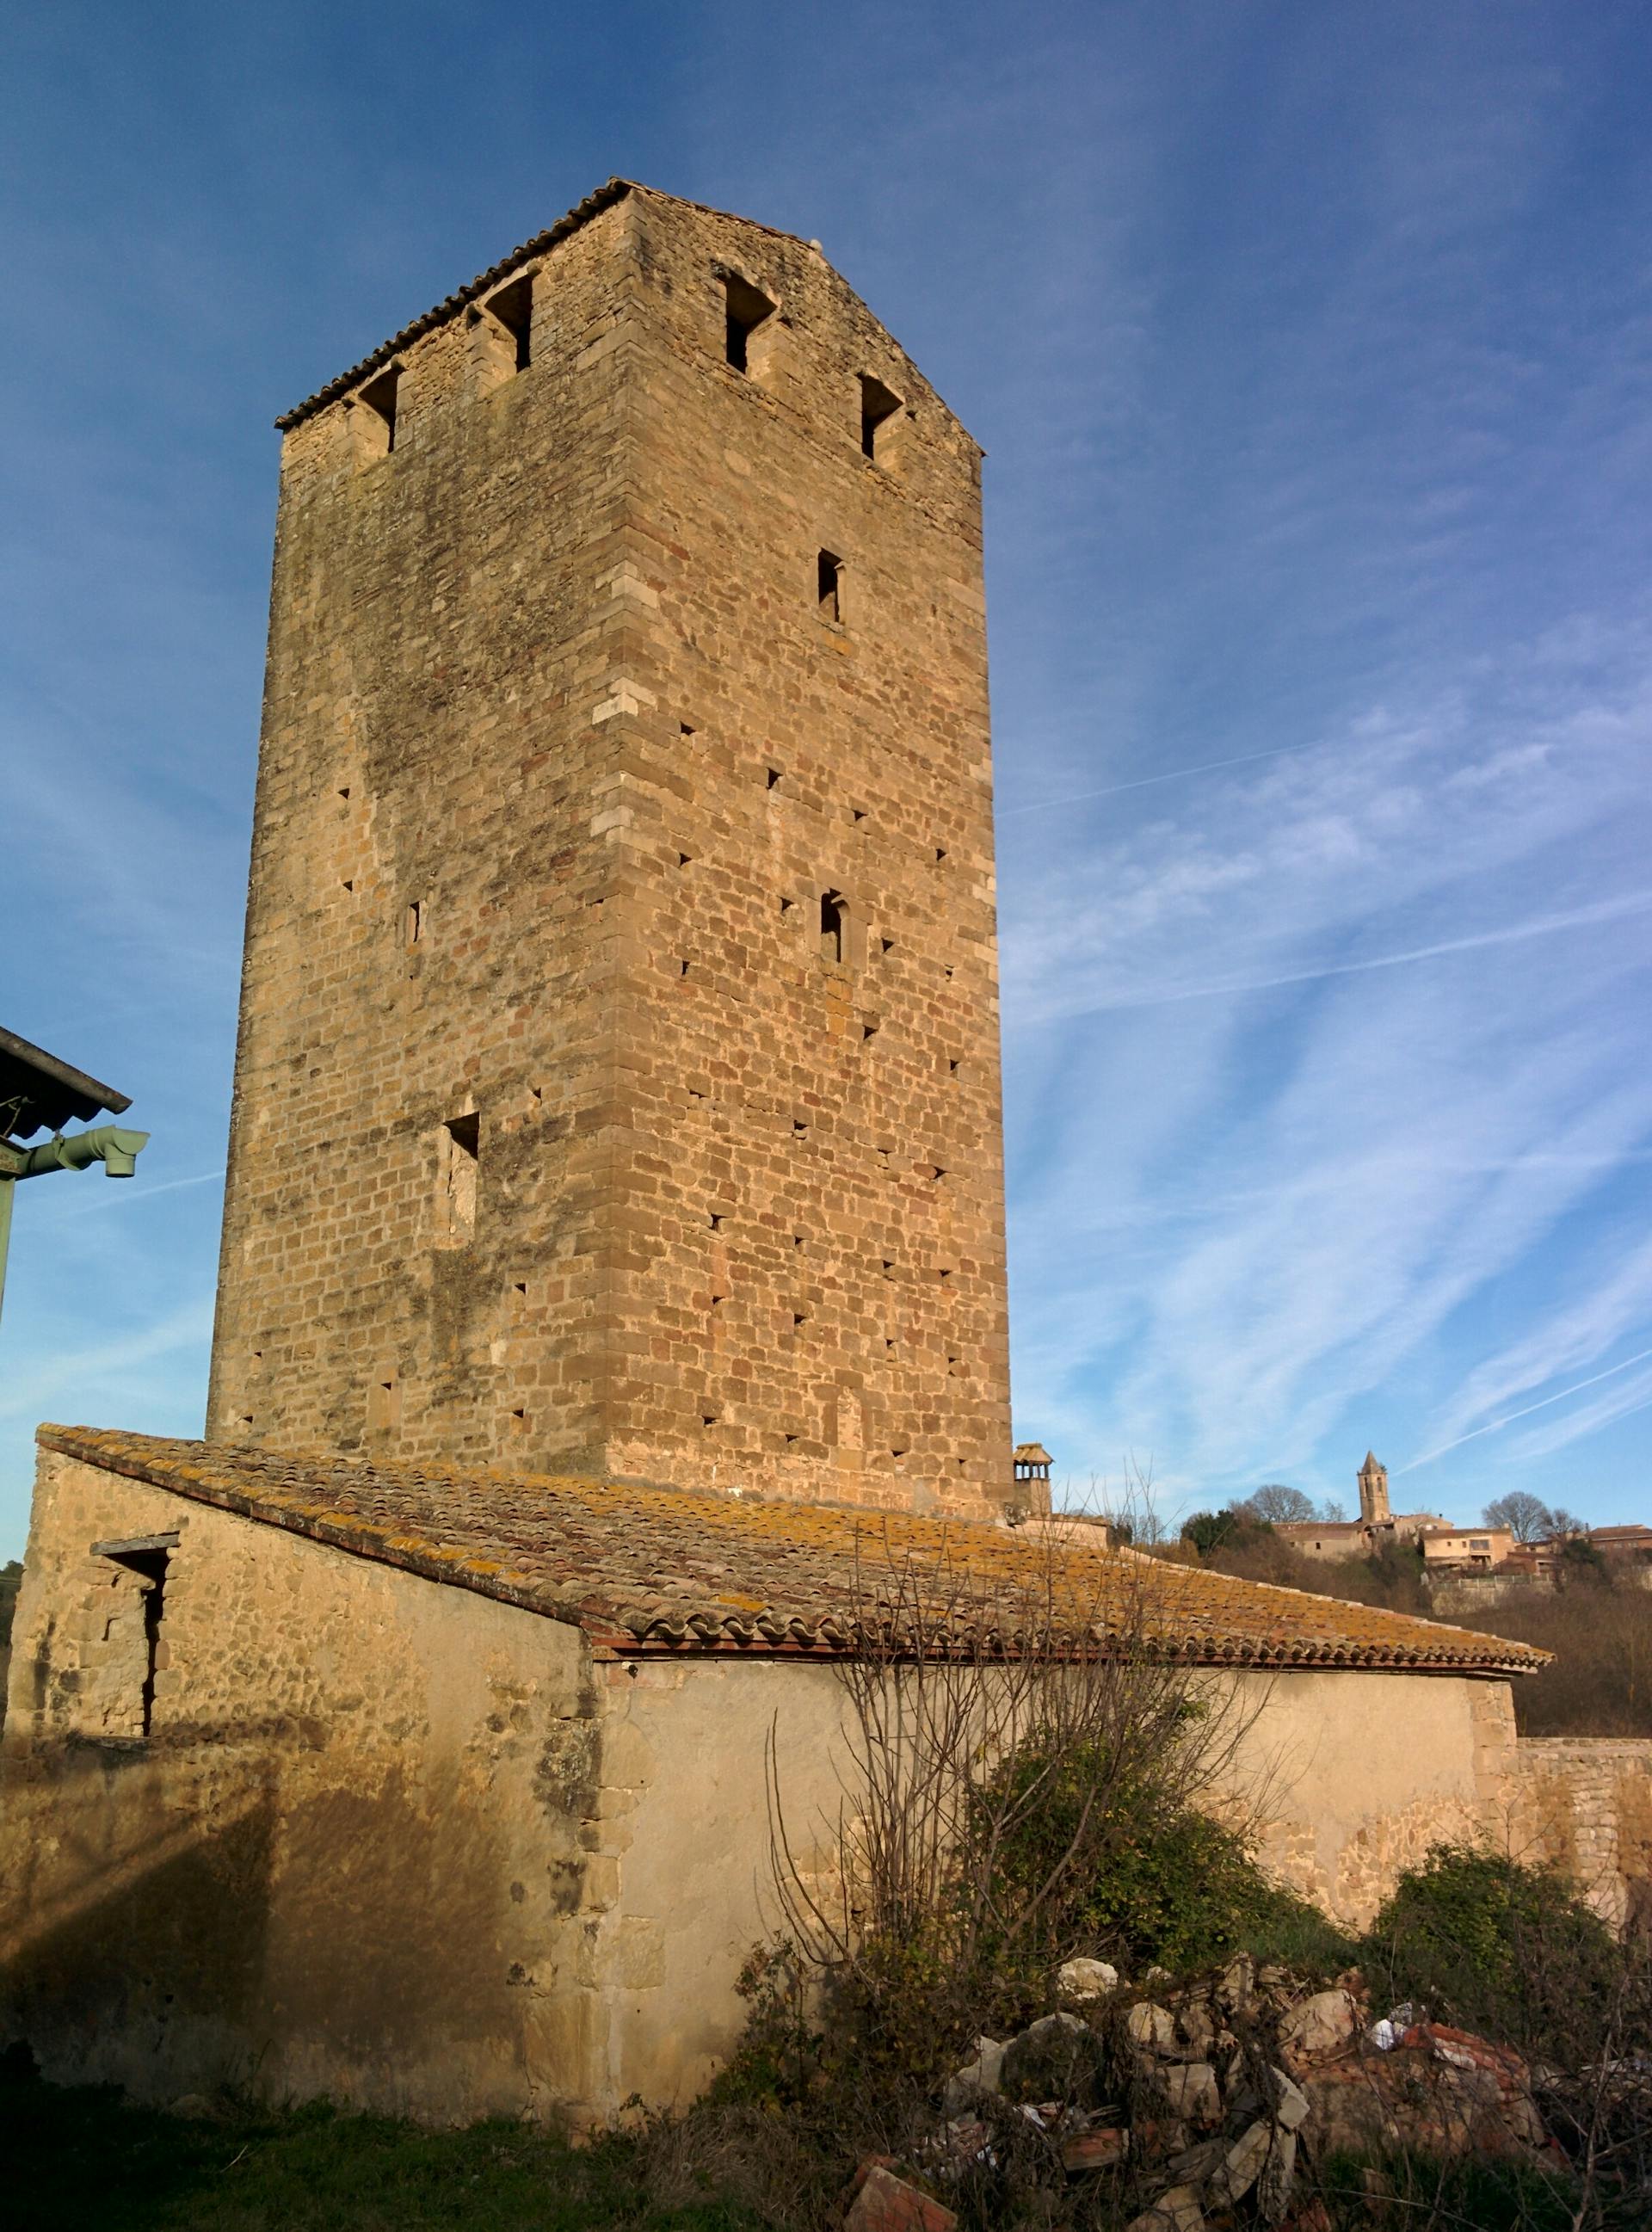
pixel 446 1794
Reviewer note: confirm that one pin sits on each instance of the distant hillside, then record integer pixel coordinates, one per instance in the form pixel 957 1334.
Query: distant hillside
pixel 1600 1630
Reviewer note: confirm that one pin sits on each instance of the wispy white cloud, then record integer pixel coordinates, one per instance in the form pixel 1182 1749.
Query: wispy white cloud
pixel 1560 1395
pixel 1613 1301
pixel 99 1370
pixel 1330 1172
pixel 130 1195
pixel 1515 933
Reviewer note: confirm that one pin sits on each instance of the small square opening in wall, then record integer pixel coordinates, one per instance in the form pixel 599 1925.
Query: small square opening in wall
pixel 828 585
pixel 460 1147
pixel 772 778
pixel 512 308
pixel 707 1418
pixel 879 417
pixel 745 309
pixel 684 729
pixel 716 1220
pixel 376 408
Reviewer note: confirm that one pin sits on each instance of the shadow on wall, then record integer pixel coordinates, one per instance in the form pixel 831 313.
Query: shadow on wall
pixel 180 1918
pixel 130 1927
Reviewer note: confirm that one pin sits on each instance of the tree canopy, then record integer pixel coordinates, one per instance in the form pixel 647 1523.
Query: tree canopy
pixel 1281 1506
pixel 1527 1518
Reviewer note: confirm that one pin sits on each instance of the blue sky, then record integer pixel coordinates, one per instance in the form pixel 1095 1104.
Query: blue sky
pixel 1310 346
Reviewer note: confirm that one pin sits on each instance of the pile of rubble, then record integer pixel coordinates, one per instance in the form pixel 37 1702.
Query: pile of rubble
pixel 1202 2107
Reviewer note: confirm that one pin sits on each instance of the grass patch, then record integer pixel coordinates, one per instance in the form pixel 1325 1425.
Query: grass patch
pixel 82 2156
pixel 1465 2194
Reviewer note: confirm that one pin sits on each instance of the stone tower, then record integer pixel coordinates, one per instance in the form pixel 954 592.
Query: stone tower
pixel 1373 1492
pixel 617 1083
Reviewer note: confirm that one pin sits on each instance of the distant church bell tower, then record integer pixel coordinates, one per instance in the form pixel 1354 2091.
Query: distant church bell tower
pixel 1373 1493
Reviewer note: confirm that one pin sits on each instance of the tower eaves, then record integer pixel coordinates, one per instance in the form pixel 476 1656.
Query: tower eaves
pixel 605 196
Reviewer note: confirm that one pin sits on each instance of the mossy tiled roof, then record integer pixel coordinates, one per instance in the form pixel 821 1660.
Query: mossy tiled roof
pixel 649 1569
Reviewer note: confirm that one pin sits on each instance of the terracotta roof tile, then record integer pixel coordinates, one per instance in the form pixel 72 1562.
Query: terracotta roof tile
pixel 643 1569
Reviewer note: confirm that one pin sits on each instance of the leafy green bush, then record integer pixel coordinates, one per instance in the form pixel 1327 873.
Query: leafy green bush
pixel 1496 1946
pixel 1151 1880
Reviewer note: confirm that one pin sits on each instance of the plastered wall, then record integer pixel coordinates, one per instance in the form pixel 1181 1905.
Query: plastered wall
pixel 350 1856
pixel 396 1842
pixel 1353 1776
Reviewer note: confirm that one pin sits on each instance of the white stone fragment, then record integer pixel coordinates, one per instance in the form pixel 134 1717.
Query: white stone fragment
pixel 1320 2025
pixel 1193 2091
pixel 1288 2102
pixel 1085 1980
pixel 1243 2164
pixel 1176 2210
pixel 984 2075
pixel 1151 2028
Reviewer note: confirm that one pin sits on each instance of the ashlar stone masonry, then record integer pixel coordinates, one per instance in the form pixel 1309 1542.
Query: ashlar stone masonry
pixel 618 1081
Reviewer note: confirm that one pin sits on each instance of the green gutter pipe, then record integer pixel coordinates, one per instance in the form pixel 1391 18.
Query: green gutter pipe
pixel 109 1143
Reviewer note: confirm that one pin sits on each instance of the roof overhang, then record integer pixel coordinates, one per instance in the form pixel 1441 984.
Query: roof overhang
pixel 40 1092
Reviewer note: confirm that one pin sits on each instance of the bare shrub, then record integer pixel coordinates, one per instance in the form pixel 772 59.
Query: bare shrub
pixel 1600 1684
pixel 1030 1772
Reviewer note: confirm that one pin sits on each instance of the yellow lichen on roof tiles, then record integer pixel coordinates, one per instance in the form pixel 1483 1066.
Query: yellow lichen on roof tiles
pixel 653 1568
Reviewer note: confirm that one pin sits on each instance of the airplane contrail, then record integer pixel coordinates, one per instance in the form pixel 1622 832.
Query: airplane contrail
pixel 1576 1388
pixel 1174 774
pixel 1514 933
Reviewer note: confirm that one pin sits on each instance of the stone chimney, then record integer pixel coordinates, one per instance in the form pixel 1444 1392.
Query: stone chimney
pixel 1030 1496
